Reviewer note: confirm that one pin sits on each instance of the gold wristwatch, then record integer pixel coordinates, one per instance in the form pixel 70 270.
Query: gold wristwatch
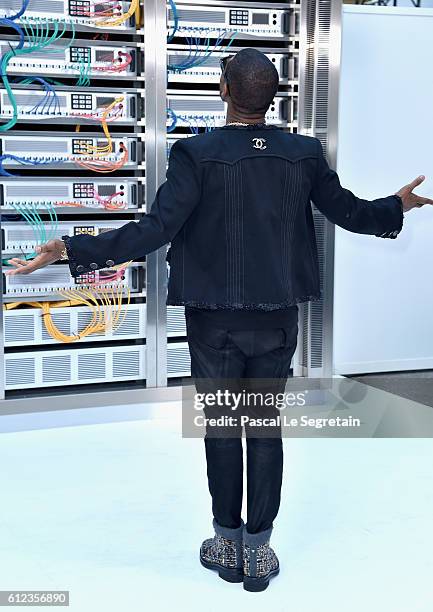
pixel 64 253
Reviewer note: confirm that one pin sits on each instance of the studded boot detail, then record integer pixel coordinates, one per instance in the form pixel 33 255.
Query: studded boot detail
pixel 260 561
pixel 223 553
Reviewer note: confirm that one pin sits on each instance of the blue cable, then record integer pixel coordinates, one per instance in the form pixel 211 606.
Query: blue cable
pixel 182 65
pixel 201 57
pixel 192 128
pixel 10 24
pixel 21 11
pixel 234 34
pixel 52 99
pixel 175 19
pixel 173 115
pixel 20 160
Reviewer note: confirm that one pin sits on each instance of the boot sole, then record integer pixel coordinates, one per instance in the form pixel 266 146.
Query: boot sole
pixel 227 574
pixel 255 585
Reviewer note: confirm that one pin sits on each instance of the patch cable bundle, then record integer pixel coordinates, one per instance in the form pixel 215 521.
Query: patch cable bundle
pixel 71 162
pixel 199 36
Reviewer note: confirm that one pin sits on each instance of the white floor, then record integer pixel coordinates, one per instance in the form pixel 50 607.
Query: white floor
pixel 115 513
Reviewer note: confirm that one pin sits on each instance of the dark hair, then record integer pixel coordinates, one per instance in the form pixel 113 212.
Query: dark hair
pixel 253 81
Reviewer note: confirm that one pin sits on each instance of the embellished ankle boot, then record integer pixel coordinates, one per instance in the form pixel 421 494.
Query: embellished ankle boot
pixel 260 561
pixel 223 553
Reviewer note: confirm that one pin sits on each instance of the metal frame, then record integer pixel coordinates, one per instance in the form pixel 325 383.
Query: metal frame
pixel 155 35
pixel 320 46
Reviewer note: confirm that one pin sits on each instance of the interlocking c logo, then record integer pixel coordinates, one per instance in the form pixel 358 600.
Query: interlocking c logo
pixel 259 143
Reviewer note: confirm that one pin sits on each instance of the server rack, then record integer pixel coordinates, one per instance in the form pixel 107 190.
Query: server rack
pixel 302 37
pixel 72 147
pixel 157 81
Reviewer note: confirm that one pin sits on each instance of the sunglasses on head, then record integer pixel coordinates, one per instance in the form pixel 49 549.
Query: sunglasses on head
pixel 223 64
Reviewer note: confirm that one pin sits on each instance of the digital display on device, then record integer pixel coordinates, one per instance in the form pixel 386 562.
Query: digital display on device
pixel 260 18
pixel 102 55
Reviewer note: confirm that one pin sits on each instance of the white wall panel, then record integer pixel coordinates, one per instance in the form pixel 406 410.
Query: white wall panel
pixel 383 317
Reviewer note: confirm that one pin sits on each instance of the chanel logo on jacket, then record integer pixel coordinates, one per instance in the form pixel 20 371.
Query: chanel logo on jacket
pixel 259 143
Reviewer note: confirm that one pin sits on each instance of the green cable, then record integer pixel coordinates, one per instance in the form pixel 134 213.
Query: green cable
pixel 39 229
pixel 85 68
pixel 58 36
pixel 29 220
pixel 89 68
pixel 38 41
pixel 81 82
pixel 54 221
pixel 39 224
pixel 230 43
pixel 19 210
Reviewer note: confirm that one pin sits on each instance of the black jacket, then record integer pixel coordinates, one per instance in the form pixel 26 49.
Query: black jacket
pixel 236 209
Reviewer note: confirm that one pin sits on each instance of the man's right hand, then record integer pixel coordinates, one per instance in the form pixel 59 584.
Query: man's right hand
pixel 48 253
pixel 412 200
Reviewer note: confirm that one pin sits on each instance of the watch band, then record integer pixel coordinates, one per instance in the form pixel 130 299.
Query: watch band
pixel 64 253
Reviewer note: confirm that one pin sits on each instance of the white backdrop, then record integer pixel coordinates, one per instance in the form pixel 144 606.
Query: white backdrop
pixel 383 317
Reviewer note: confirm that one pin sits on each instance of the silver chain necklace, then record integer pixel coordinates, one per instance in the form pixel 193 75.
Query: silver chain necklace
pixel 244 124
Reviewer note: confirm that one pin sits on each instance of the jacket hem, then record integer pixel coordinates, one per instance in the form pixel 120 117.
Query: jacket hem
pixel 248 306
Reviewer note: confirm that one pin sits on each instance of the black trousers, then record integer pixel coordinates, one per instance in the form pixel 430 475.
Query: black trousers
pixel 244 358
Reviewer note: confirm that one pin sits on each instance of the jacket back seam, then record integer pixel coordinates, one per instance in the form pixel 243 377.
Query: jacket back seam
pixel 252 156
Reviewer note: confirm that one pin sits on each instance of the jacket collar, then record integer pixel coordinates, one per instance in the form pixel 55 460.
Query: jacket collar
pixel 253 126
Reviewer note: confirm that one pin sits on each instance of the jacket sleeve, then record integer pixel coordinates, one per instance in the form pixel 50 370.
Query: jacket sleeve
pixel 174 202
pixel 382 217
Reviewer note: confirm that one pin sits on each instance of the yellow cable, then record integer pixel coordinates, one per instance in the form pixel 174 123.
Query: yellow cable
pixel 105 304
pixel 119 20
pixel 138 16
pixel 12 305
pixel 108 148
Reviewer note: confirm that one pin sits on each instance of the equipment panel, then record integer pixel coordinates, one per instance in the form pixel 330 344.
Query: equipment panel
pixel 85 13
pixel 20 237
pixel 203 66
pixel 215 21
pixel 57 278
pixel 67 195
pixel 81 59
pixel 192 111
pixel 81 105
pixel 82 150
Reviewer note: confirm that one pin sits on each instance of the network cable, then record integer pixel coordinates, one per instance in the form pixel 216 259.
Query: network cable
pixel 175 19
pixel 50 102
pixel 171 114
pixel 117 67
pixel 20 160
pixel 106 314
pixel 112 22
pixel 84 68
pixel 39 39
pixel 31 215
pixel 199 56
pixel 21 11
